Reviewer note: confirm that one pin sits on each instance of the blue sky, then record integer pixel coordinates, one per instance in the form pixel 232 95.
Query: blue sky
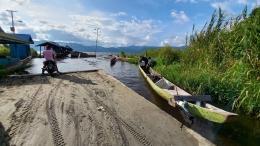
pixel 121 22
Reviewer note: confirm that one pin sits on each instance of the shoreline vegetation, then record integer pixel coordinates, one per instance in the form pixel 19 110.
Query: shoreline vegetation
pixel 222 60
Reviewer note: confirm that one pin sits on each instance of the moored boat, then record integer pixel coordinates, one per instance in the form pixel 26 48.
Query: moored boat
pixel 19 64
pixel 122 58
pixel 195 105
pixel 113 61
pixel 76 54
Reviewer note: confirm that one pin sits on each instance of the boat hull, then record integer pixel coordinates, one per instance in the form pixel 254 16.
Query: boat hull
pixel 210 113
pixel 80 55
pixel 122 59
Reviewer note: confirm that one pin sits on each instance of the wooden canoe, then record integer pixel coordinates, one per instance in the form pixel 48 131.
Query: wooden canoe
pixel 19 64
pixel 113 61
pixel 122 59
pixel 171 93
pixel 76 54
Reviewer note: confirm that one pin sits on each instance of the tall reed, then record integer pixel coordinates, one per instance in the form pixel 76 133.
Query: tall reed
pixel 222 60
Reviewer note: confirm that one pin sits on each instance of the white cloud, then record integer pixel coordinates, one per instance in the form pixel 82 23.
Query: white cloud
pixel 179 18
pixel 41 36
pixel 44 21
pixel 223 5
pixel 242 2
pixel 17 2
pixel 180 1
pixel 255 4
pixel 192 1
pixel 164 42
pixel 119 14
pixel 174 40
pixel 229 5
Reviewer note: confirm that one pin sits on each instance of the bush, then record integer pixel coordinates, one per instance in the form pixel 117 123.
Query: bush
pixel 122 54
pixel 2 66
pixel 4 51
pixel 34 53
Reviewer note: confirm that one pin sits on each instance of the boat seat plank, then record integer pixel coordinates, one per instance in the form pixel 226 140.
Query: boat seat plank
pixel 162 84
pixel 172 92
pixel 192 97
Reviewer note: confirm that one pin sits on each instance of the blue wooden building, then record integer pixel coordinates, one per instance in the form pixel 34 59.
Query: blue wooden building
pixel 21 50
pixel 10 39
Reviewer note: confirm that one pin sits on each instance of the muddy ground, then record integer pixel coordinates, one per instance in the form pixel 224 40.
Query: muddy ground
pixel 85 108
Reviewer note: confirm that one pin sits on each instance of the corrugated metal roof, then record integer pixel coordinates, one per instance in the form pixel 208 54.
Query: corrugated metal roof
pixel 11 39
pixel 49 43
pixel 1 30
pixel 26 37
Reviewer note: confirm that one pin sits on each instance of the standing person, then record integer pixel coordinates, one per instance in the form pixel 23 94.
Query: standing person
pixel 49 55
pixel 142 58
pixel 151 62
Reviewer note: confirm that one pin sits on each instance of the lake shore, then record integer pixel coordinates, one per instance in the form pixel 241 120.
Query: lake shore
pixel 84 108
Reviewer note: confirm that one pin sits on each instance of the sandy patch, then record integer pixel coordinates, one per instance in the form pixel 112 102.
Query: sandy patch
pixel 81 109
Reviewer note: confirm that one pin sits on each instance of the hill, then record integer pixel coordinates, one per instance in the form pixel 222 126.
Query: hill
pixel 82 48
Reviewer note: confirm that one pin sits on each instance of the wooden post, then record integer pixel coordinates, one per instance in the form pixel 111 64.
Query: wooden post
pixel 40 51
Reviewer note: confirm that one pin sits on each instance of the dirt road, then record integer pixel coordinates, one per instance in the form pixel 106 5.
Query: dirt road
pixel 85 108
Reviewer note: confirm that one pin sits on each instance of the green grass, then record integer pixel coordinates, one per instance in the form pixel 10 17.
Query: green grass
pixel 133 60
pixel 4 51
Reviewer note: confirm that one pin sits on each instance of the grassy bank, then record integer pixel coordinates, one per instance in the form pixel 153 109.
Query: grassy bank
pixel 222 60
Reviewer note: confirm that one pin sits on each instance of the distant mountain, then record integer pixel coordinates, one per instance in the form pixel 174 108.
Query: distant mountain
pixel 82 48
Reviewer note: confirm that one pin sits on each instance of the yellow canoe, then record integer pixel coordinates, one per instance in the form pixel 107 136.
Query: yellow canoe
pixel 170 92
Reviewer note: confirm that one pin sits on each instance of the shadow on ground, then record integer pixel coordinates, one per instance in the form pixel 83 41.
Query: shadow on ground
pixel 74 79
pixel 23 80
pixel 4 136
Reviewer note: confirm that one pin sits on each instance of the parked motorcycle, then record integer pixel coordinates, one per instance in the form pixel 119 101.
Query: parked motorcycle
pixel 49 67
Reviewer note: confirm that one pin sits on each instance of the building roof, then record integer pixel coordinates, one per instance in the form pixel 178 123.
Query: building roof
pixel 6 38
pixel 1 30
pixel 49 43
pixel 26 37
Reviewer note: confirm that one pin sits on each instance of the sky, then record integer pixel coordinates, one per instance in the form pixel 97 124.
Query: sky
pixel 115 23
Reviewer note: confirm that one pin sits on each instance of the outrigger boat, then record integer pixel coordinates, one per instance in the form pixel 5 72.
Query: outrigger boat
pixel 195 105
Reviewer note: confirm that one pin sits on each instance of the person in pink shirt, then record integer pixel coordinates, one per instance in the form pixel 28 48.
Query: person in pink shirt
pixel 49 55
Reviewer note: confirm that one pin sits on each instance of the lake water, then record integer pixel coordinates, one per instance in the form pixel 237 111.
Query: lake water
pixel 244 131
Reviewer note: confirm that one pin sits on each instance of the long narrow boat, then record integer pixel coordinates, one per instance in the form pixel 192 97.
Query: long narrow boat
pixel 122 59
pixel 76 54
pixel 113 61
pixel 177 96
pixel 19 64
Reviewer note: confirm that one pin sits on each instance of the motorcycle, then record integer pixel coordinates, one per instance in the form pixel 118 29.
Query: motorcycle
pixel 50 67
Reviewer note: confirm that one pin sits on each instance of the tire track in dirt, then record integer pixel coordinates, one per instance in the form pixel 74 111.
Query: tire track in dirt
pixel 71 113
pixel 103 93
pixel 96 134
pixel 52 118
pixel 114 126
pixel 20 117
pixel 73 119
pixel 140 137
